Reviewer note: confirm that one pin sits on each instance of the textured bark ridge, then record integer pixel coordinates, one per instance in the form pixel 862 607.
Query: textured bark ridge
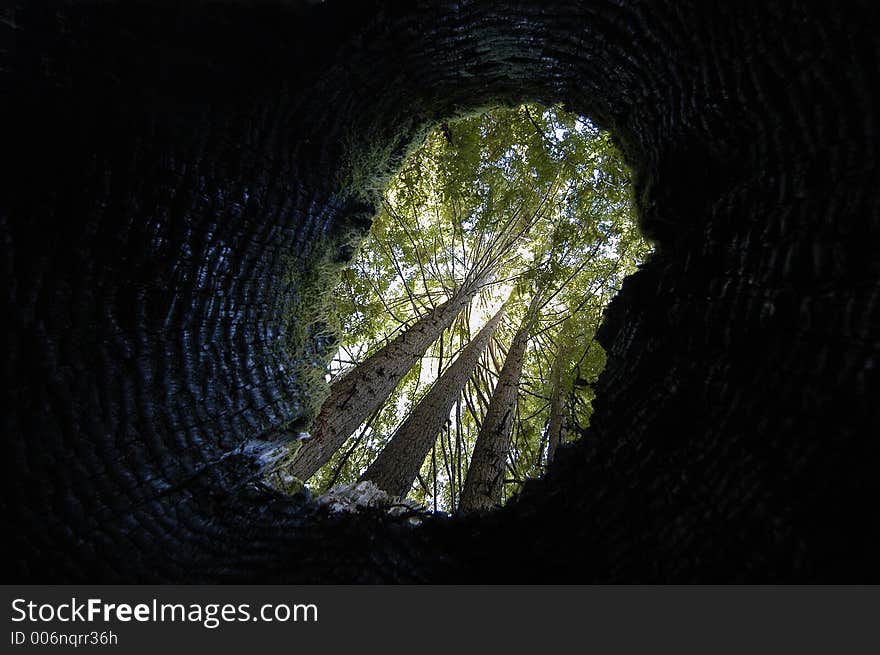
pixel 396 467
pixel 182 184
pixel 363 390
pixel 485 476
pixel 557 406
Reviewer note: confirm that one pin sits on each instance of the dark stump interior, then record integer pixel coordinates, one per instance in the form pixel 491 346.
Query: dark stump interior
pixel 180 184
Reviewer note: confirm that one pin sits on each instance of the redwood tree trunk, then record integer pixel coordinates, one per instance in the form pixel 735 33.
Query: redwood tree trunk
pixel 557 405
pixel 485 476
pixel 360 392
pixel 398 464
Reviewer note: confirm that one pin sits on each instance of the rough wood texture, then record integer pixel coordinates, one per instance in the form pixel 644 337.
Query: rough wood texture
pixel 360 392
pixel 555 429
pixel 175 174
pixel 485 476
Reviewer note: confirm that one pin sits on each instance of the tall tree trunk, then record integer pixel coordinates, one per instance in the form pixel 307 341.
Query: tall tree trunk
pixel 557 404
pixel 561 385
pixel 398 464
pixel 361 391
pixel 485 476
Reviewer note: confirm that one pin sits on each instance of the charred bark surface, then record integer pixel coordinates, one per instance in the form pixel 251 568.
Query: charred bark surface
pixel 173 174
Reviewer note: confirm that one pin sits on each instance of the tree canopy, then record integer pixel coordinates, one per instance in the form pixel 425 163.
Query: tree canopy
pixel 527 207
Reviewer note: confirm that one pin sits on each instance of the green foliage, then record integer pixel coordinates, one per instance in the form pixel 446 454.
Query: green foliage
pixel 311 330
pixel 531 201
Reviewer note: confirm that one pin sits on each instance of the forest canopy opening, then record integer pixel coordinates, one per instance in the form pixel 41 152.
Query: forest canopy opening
pixel 468 316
